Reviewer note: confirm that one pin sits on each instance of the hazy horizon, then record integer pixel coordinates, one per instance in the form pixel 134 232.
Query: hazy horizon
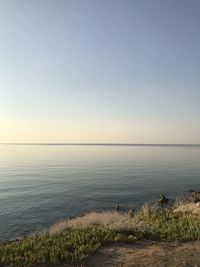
pixel 100 144
pixel 100 71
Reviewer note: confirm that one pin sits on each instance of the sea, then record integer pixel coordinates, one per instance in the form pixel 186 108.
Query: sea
pixel 42 184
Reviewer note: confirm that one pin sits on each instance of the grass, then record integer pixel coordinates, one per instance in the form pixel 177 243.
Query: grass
pixel 72 241
pixel 170 226
pixel 70 246
pixel 111 219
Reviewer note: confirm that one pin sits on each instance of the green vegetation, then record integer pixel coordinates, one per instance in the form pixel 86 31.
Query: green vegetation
pixel 72 247
pixel 74 244
pixel 170 226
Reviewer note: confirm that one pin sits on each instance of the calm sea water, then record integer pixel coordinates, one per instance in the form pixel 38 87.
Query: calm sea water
pixel 40 185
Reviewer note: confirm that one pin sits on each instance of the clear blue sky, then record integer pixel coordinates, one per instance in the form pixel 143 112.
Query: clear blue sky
pixel 100 71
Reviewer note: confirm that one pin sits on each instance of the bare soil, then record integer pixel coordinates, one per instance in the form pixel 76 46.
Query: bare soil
pixel 147 253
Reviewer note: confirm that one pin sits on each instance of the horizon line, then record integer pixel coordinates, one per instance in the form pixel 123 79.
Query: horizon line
pixel 96 144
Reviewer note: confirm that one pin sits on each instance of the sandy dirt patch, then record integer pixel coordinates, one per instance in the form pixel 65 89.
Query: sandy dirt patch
pixel 147 253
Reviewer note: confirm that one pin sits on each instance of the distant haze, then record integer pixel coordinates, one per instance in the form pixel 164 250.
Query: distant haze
pixel 108 71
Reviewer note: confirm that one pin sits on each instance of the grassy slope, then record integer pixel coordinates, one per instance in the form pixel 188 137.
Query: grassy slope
pixel 72 244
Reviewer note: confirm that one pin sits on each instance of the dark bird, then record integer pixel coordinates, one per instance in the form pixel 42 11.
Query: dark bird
pixel 195 195
pixel 163 199
pixel 117 208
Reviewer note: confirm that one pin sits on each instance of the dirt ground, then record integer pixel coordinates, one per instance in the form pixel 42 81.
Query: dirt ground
pixel 151 254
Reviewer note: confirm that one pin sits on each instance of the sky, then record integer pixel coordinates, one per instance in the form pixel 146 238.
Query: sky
pixel 109 71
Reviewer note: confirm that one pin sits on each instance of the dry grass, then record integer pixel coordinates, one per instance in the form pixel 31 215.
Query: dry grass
pixel 182 201
pixel 111 219
pixel 189 208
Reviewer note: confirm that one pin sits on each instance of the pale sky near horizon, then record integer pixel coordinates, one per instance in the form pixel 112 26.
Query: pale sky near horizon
pixel 100 71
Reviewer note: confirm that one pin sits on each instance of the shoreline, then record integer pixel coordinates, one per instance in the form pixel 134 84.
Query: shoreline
pixel 75 241
pixel 123 209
